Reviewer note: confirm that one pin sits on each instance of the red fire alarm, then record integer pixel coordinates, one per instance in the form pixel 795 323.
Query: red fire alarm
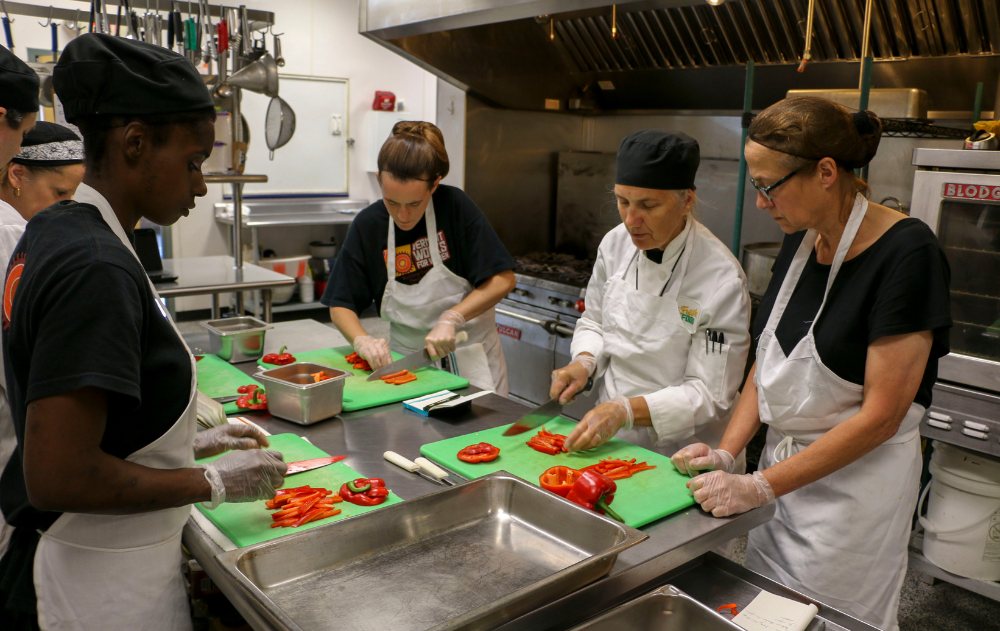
pixel 384 101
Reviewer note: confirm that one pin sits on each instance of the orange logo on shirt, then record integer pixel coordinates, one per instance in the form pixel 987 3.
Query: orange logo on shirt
pixel 13 277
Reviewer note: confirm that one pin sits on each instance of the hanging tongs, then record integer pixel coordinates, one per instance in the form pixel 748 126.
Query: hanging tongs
pixel 210 51
pixel 54 27
pixel 6 26
pixel 278 59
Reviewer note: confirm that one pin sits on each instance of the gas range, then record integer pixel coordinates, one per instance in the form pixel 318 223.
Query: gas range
pixel 552 282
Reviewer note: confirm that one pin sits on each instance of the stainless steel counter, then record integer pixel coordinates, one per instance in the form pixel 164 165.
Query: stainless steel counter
pixel 365 435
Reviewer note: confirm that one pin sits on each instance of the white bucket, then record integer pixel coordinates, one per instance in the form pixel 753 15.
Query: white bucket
pixel 963 514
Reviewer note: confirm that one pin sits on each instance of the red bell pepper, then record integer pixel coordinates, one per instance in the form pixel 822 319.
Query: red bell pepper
pixel 595 491
pixel 256 400
pixel 370 491
pixel 547 442
pixel 247 389
pixel 558 480
pixel 281 358
pixel 483 452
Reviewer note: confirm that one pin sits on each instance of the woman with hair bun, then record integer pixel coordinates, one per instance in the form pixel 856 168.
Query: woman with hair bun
pixel 849 335
pixel 448 267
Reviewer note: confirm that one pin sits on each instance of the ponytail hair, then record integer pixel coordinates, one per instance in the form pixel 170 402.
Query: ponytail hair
pixel 414 151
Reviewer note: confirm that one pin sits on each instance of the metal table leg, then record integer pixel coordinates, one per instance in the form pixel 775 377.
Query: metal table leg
pixel 266 294
pixel 215 307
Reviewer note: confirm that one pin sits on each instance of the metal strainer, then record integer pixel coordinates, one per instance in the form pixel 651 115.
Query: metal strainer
pixel 279 124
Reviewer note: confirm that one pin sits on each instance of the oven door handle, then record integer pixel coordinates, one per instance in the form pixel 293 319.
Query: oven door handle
pixel 551 326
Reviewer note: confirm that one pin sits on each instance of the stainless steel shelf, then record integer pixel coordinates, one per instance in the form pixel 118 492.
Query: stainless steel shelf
pixel 292 212
pixel 921 564
pixel 297 306
pixel 234 178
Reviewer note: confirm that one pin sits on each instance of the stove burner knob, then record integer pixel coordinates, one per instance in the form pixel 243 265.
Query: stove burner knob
pixel 580 306
pixel 523 293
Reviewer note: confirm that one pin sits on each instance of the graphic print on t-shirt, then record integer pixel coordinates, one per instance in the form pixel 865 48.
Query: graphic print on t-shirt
pixel 14 271
pixel 413 260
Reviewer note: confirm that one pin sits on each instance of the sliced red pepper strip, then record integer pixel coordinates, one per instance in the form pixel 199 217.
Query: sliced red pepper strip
pixel 731 607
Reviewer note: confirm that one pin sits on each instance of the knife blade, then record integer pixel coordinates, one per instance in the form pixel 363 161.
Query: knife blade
pixel 308 465
pixel 542 414
pixel 227 399
pixel 412 361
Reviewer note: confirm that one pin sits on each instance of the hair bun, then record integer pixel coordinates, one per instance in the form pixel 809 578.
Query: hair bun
pixel 864 123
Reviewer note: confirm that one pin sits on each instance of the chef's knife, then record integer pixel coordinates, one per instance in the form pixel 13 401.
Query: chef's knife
pixel 308 465
pixel 541 415
pixel 412 361
pixel 227 399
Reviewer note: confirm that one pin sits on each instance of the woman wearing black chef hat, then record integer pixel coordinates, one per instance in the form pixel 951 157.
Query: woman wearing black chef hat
pixel 667 309
pixel 101 385
pixel 18 103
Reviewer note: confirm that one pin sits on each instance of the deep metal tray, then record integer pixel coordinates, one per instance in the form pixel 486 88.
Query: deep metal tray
pixel 666 609
pixel 471 556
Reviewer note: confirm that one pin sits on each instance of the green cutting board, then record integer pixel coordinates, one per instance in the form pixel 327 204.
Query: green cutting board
pixel 641 499
pixel 360 394
pixel 249 523
pixel 219 378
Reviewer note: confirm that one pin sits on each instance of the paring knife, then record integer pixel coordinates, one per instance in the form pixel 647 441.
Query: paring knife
pixel 408 465
pixel 227 399
pixel 308 465
pixel 413 360
pixel 541 415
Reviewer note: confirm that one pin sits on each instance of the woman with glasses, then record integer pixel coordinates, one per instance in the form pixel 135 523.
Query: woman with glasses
pixel 848 337
pixel 668 311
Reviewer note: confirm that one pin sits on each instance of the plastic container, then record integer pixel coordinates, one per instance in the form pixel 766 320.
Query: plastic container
pixel 294 266
pixel 306 289
pixel 963 513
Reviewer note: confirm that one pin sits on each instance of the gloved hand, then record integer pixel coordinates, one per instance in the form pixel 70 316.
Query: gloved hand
pixel 572 378
pixel 374 350
pixel 212 442
pixel 699 457
pixel 245 476
pixel 600 425
pixel 724 494
pixel 441 340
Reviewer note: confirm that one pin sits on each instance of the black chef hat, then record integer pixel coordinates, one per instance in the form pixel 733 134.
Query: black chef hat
pixel 664 160
pixel 18 84
pixel 51 145
pixel 101 74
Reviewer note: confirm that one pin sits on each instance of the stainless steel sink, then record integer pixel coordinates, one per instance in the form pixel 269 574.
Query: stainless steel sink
pixel 666 609
pixel 471 556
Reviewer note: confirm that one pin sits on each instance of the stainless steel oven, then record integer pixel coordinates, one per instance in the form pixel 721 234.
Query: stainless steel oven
pixel 957 193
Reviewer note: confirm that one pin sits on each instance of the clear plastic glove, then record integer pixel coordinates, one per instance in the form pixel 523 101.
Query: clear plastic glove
pixel 245 476
pixel 600 425
pixel 694 459
pixel 572 378
pixel 212 442
pixel 724 494
pixel 374 350
pixel 441 340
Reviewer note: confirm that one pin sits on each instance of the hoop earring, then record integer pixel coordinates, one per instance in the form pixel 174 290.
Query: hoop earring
pixel 17 191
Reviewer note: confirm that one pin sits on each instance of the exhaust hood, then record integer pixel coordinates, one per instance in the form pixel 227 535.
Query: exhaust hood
pixel 687 54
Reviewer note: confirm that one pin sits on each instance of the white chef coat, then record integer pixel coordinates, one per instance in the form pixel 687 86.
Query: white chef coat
pixel 12 226
pixel 712 296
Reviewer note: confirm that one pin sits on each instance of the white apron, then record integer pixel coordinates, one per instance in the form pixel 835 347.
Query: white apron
pixel 841 539
pixel 100 572
pixel 413 310
pixel 649 348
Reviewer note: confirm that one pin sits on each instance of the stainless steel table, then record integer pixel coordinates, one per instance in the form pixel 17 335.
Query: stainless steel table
pixel 365 435
pixel 216 275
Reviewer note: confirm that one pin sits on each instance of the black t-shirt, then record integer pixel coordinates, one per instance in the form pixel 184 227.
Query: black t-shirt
pixel 84 315
pixel 469 248
pixel 898 285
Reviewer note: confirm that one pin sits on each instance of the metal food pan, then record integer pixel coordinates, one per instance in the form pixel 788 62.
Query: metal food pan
pixel 236 339
pixel 472 556
pixel 293 395
pixel 666 609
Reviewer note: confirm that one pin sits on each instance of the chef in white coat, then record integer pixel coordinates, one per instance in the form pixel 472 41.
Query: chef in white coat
pixel 667 309
pixel 429 261
pixel 849 333
pixel 103 477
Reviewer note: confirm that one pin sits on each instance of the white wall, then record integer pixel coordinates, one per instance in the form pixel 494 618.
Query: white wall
pixel 320 38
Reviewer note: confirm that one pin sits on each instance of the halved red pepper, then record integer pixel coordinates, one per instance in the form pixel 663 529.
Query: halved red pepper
pixel 247 389
pixel 483 452
pixel 373 495
pixel 595 491
pixel 256 400
pixel 280 358
pixel 558 480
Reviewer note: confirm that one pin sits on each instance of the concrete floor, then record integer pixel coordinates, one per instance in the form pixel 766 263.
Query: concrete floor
pixel 923 607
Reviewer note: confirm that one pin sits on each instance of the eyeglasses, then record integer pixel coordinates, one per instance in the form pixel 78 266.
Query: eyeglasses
pixel 766 190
